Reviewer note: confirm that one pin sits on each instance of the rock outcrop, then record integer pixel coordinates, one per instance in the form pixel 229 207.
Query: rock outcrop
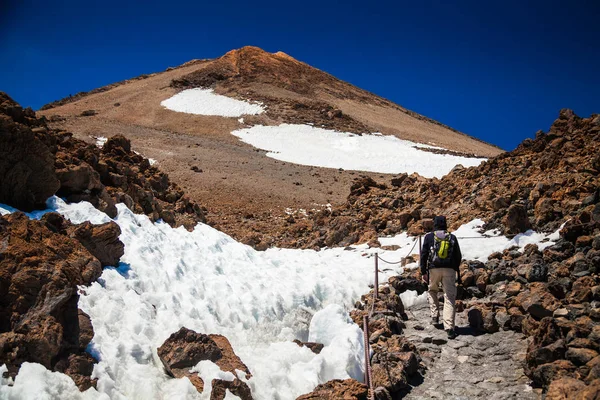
pixel 37 162
pixel 553 296
pixel 42 262
pixel 26 164
pixel 314 347
pixel 337 389
pixel 395 361
pixel 41 265
pixel 186 348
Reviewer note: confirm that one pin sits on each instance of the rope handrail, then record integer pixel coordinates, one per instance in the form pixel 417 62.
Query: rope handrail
pixel 390 262
pixel 415 243
pixel 398 262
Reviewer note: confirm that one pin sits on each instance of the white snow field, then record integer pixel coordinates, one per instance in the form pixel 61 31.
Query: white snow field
pixel 308 145
pixel 206 102
pixel 206 281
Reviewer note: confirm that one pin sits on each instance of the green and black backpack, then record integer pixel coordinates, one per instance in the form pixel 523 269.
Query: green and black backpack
pixel 440 255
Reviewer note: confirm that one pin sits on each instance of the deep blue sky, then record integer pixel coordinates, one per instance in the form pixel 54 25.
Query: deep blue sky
pixel 496 70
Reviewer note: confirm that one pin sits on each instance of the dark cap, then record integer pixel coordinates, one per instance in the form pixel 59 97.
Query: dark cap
pixel 439 223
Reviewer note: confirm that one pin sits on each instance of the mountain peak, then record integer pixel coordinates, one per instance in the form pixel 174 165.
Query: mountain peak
pixel 257 55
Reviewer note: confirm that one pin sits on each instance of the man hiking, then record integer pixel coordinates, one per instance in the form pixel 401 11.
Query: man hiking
pixel 440 259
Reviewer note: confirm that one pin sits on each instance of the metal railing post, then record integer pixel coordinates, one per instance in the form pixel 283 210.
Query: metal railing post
pixel 368 376
pixel 376 275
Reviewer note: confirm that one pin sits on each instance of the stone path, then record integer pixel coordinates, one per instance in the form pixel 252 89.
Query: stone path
pixel 488 366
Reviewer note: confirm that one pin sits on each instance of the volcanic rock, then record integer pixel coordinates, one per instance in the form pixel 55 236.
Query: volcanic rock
pixel 516 220
pixel 186 348
pixel 101 240
pixel 26 164
pixel 314 347
pixel 338 389
pixel 39 320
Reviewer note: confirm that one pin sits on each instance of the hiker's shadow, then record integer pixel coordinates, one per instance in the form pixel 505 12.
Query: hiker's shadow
pixel 468 331
pixel 461 330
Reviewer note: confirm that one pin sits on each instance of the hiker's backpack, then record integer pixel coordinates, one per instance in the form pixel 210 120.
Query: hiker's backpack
pixel 441 251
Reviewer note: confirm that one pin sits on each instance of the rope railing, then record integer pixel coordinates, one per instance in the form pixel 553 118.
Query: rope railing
pixel 402 259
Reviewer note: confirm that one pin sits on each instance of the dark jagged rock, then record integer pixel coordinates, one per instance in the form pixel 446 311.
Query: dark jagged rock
pixel 37 162
pixel 39 320
pixel 186 348
pixel 516 220
pixel 26 164
pixel 337 389
pixel 101 240
pixel 314 347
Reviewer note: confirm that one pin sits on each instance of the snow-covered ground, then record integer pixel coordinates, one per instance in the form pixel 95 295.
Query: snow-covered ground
pixel 210 283
pixel 308 145
pixel 206 102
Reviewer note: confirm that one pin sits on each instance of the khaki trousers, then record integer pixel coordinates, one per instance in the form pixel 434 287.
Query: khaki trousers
pixel 447 277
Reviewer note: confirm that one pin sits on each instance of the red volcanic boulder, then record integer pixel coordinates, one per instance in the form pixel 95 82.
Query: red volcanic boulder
pixel 101 240
pixel 537 301
pixel 39 320
pixel 337 389
pixel 186 348
pixel 516 220
pixel 314 347
pixel 78 178
pixel 564 389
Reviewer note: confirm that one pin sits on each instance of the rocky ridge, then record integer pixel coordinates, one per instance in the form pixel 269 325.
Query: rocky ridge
pixel 541 184
pixel 81 95
pixel 50 161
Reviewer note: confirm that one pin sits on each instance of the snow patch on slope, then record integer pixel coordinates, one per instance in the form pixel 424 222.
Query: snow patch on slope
pixel 308 145
pixel 477 245
pixel 206 102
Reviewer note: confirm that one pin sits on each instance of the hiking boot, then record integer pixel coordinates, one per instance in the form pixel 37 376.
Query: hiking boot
pixel 435 320
pixel 451 334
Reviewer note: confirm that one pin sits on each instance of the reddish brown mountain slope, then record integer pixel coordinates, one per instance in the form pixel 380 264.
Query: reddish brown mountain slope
pixel 199 153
